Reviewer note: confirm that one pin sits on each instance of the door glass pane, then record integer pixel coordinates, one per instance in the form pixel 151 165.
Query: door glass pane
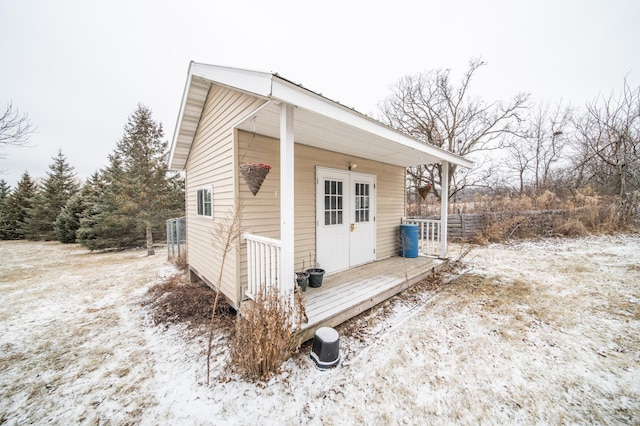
pixel 333 214
pixel 362 202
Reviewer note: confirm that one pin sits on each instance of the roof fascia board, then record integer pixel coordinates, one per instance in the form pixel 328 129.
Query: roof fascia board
pixel 288 92
pixel 255 82
pixel 176 131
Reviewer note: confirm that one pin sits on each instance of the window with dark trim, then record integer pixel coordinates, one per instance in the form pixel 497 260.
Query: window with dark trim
pixel 204 202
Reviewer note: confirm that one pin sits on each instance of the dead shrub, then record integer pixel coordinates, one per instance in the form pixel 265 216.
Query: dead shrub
pixel 501 229
pixel 586 197
pixel 181 261
pixel 547 200
pixel 572 228
pixel 178 301
pixel 508 203
pixel 265 335
pixel 458 262
pixel 601 219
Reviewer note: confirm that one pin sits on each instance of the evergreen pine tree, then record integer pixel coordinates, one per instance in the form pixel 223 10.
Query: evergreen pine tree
pixel 139 195
pixel 68 221
pixel 57 188
pixel 80 205
pixel 16 209
pixel 5 190
pixel 93 189
pixel 101 224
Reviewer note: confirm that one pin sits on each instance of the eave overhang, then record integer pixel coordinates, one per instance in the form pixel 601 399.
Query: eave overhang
pixel 318 121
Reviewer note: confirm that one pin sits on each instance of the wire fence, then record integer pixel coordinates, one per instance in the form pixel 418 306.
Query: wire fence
pixel 176 236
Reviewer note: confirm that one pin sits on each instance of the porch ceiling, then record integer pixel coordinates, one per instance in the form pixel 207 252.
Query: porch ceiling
pixel 323 132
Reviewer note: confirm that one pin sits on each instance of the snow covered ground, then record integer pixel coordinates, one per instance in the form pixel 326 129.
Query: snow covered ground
pixel 535 332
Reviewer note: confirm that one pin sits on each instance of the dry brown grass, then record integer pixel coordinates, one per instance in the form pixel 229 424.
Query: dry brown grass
pixel 60 360
pixel 572 228
pixel 181 261
pixel 265 335
pixel 501 230
pixel 601 219
pixel 492 293
pixel 547 200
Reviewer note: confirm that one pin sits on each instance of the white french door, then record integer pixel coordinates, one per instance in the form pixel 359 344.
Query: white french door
pixel 345 219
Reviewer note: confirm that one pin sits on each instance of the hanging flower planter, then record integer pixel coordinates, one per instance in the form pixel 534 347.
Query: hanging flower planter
pixel 424 191
pixel 254 174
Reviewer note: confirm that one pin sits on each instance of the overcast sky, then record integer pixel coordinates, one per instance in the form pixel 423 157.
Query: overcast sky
pixel 79 68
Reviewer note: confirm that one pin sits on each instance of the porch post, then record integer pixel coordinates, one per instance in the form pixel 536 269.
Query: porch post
pixel 287 252
pixel 444 208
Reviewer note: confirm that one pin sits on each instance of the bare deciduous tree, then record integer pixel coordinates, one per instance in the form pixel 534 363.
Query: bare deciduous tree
pixel 548 135
pixel 608 145
pixel 519 159
pixel 429 107
pixel 533 154
pixel 15 128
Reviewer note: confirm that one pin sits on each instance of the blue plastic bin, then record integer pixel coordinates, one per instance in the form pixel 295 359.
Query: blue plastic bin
pixel 408 240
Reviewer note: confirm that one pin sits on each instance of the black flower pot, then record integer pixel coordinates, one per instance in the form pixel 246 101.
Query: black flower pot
pixel 315 277
pixel 303 280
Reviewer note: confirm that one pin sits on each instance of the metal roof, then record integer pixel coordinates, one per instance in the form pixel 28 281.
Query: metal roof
pixel 318 121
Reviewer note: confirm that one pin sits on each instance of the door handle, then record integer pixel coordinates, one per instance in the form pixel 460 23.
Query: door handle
pixel 353 227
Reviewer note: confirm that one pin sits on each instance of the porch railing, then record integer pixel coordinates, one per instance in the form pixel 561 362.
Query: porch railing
pixel 429 232
pixel 263 263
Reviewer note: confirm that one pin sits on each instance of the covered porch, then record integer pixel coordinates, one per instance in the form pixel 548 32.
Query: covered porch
pixel 347 294
pixel 350 136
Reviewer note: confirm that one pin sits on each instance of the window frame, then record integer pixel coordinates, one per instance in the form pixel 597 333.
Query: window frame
pixel 201 202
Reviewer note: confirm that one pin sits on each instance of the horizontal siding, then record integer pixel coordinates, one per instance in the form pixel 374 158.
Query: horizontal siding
pixel 390 209
pixel 261 213
pixel 211 162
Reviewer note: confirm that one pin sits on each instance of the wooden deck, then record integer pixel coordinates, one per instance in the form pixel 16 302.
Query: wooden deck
pixel 346 294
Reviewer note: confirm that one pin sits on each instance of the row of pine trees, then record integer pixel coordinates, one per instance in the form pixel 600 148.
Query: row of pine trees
pixel 122 205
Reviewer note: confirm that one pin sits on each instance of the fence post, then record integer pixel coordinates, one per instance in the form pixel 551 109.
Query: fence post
pixel 168 226
pixel 178 234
